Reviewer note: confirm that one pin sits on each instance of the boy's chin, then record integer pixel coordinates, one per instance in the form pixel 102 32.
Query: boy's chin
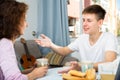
pixel 85 32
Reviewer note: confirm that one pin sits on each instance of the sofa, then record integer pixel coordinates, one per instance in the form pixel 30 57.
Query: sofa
pixel 54 59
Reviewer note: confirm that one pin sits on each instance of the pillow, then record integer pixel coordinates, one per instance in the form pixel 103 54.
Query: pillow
pixel 54 58
pixel 32 47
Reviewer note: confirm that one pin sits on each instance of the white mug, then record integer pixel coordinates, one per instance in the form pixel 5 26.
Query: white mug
pixel 42 62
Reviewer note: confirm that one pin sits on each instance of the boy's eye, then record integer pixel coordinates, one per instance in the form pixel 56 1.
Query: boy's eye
pixel 83 20
pixel 89 20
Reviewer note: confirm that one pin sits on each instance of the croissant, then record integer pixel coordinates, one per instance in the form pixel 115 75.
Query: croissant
pixel 70 77
pixel 76 73
pixel 91 74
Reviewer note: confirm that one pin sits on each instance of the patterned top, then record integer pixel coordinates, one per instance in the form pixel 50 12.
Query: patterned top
pixel 8 62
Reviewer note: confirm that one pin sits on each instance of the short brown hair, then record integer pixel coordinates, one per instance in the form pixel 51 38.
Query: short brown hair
pixel 95 9
pixel 11 13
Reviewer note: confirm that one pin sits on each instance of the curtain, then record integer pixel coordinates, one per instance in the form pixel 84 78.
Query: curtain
pixel 53 22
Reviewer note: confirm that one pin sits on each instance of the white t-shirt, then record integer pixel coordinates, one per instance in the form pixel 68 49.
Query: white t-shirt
pixel 95 53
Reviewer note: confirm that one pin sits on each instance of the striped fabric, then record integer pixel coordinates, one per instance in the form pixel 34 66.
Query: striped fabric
pixel 54 58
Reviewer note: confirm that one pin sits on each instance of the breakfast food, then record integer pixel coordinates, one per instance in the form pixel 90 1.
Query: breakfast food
pixel 78 75
pixel 70 77
pixel 90 74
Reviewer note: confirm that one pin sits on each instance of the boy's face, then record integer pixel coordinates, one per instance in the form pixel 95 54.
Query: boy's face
pixel 90 23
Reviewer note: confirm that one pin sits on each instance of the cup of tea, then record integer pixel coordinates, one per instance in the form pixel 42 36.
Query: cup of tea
pixel 85 65
pixel 42 62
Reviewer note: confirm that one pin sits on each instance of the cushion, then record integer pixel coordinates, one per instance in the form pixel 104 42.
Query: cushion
pixel 54 58
pixel 32 48
pixel 69 59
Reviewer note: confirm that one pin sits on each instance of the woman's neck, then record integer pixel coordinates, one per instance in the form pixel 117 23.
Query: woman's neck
pixel 13 40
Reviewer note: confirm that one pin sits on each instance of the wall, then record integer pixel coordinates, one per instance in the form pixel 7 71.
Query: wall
pixel 32 21
pixel 31 18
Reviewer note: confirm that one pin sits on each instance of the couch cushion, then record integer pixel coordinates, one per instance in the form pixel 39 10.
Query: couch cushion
pixel 32 48
pixel 69 59
pixel 54 59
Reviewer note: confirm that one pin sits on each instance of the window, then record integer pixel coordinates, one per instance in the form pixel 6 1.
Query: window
pixel 75 8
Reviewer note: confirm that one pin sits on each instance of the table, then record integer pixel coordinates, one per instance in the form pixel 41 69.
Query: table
pixel 53 74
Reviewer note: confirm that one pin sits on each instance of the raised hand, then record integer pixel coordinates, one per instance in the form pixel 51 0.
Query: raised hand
pixel 44 41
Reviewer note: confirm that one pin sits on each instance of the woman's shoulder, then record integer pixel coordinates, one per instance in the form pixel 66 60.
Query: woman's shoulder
pixel 5 41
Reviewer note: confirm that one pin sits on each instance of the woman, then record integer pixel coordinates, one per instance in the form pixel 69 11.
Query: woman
pixel 12 25
pixel 93 45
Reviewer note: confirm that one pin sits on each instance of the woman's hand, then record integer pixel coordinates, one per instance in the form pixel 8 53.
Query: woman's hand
pixel 38 73
pixel 44 41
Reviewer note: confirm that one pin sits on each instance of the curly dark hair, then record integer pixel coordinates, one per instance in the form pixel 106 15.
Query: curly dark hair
pixel 11 14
